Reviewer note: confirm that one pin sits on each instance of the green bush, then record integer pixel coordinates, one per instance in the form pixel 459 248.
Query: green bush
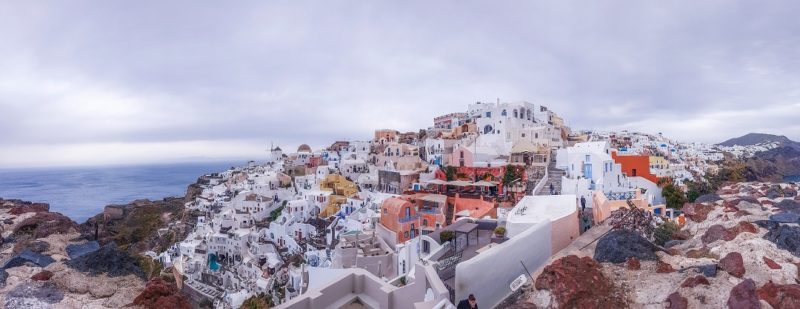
pixel 446 236
pixel 500 231
pixel 665 231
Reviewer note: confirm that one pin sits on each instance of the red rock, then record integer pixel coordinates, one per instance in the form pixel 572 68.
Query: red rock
pixel 579 283
pixel 694 281
pixel 32 207
pixel 744 296
pixel 698 253
pixel 780 296
pixel 160 294
pixel 731 209
pixel 676 301
pixel 697 212
pixel 719 232
pixel 43 275
pixel 771 264
pixel 733 264
pixel 633 263
pixel 742 213
pixel 44 224
pixel 663 268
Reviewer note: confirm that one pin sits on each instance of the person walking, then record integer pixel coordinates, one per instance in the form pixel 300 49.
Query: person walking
pixel 552 189
pixel 469 303
pixel 583 203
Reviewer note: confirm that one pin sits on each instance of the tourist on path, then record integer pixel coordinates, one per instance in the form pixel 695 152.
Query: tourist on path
pixel 469 303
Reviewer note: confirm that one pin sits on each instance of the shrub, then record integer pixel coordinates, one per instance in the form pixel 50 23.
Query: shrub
pixel 446 236
pixel 664 232
pixel 500 231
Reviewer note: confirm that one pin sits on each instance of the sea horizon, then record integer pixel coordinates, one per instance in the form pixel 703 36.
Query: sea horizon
pixel 80 192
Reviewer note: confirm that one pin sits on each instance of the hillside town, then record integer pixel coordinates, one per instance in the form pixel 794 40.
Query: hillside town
pixel 502 205
pixel 414 219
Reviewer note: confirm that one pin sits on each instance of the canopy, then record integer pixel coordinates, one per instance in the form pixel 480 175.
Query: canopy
pixel 485 183
pixel 436 182
pixel 460 183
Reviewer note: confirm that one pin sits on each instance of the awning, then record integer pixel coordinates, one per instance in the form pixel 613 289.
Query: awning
pixel 460 183
pixel 463 213
pixel 435 198
pixel 436 182
pixel 485 183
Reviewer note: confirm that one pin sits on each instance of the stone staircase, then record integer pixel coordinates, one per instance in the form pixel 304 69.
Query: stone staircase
pixel 553 177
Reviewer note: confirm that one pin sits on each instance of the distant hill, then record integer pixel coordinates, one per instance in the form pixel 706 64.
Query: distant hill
pixel 758 138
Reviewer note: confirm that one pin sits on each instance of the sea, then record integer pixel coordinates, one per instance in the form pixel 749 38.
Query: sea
pixel 82 192
pixel 795 178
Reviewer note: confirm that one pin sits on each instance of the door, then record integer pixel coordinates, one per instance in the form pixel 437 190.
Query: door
pixel 587 171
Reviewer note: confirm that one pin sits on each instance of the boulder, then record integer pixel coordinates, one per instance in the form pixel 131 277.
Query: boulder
pixel 744 296
pixel 703 252
pixel 36 246
pixel 33 295
pixel 109 260
pixel 786 238
pixel 780 296
pixel 579 283
pixel 673 243
pixel 707 198
pixel 709 271
pixel 663 268
pixel 789 192
pixel 788 205
pixel 719 232
pixel 633 264
pixel 620 245
pixel 733 264
pixel 676 301
pixel 160 294
pixel 694 281
pixel 28 256
pixel 697 212
pixel 774 191
pixel 786 217
pixel 44 224
pixel 3 277
pixel 770 263
pixel 77 250
pixel 29 207
pixel 43 275
pixel 767 224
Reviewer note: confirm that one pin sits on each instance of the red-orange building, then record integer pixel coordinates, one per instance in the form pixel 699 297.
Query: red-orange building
pixel 635 165
pixel 400 216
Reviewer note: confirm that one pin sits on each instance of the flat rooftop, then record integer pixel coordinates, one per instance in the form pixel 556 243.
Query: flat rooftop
pixel 537 208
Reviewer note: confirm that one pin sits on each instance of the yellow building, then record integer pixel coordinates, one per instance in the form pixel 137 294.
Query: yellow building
pixel 658 162
pixel 342 190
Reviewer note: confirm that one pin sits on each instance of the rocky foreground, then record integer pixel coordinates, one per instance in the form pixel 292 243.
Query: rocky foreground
pixel 739 248
pixel 49 261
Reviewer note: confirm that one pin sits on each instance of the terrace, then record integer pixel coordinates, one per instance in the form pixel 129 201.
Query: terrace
pixel 470 239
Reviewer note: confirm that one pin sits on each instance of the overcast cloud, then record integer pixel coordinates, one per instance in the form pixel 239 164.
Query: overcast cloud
pixel 111 82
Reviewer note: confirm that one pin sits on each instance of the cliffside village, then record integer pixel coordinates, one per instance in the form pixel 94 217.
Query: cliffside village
pixel 469 206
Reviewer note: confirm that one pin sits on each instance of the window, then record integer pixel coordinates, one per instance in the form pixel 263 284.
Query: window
pixel 634 172
pixel 587 158
pixel 426 246
pixel 424 222
pixel 488 114
pixel 405 234
pixel 504 113
pixel 385 211
pixel 408 212
pixel 516 114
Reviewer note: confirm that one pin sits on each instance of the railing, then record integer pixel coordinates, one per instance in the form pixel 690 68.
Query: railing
pixel 408 219
pixel 618 196
pixel 541 182
pixel 430 211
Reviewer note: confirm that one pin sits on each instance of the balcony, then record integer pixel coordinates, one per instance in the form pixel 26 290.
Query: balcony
pixel 430 211
pixel 408 219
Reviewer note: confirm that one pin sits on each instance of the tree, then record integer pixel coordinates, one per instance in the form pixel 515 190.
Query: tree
pixel 512 173
pixel 674 196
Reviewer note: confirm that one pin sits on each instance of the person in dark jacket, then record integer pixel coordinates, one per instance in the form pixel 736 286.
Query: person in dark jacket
pixel 469 303
pixel 583 203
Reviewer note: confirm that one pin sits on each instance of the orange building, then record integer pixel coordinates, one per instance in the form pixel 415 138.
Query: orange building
pixel 400 216
pixel 635 165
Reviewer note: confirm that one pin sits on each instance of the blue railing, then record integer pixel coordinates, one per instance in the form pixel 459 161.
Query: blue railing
pixel 408 219
pixel 430 211
pixel 618 196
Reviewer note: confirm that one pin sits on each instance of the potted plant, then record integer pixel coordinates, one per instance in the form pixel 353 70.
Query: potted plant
pixel 500 232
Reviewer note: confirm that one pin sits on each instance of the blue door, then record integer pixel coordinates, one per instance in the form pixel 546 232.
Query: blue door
pixel 587 171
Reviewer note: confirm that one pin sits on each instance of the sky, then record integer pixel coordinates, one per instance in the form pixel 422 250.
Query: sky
pixel 112 82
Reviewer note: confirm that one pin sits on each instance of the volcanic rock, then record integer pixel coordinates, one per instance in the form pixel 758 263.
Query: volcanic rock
pixel 707 198
pixel 708 270
pixel 694 281
pixel 160 294
pixel 633 264
pixel 696 211
pixel 44 224
pixel 787 217
pixel 788 205
pixel 620 245
pixel 33 295
pixel 42 276
pixel 717 232
pixel 579 283
pixel 743 296
pixel 676 301
pixel 28 256
pixel 29 207
pixel 108 259
pixel 771 264
pixel 77 250
pixel 780 296
pixel 733 264
pixel 786 238
pixel 663 268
